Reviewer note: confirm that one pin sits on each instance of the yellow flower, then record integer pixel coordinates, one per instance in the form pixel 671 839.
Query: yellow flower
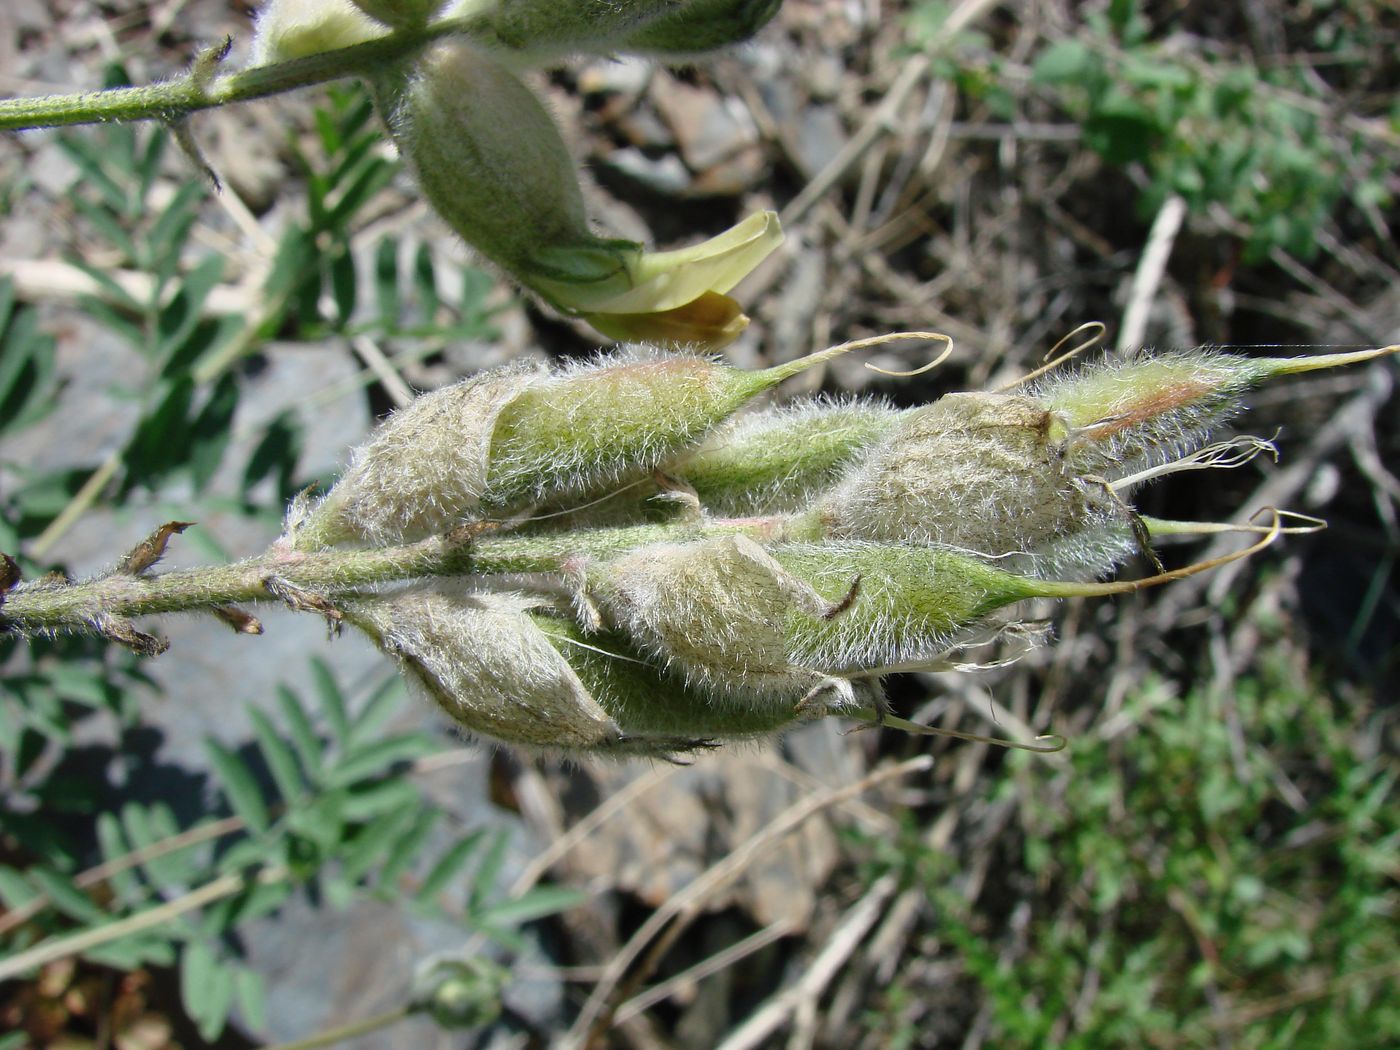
pixel 673 298
pixel 491 161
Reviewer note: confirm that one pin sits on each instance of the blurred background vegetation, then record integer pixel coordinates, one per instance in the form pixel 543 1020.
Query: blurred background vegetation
pixel 286 837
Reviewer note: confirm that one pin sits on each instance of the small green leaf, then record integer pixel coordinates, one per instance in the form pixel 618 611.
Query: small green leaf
pixel 386 283
pixel 206 988
pixel 66 897
pixel 281 762
pixel 252 998
pixel 180 317
pixel 114 847
pixel 332 700
pixel 375 759
pixel 15 889
pixel 378 837
pixel 1065 62
pixel 488 874
pixel 212 430
pixel 378 709
pixel 405 851
pixel 240 787
pixel 368 801
pixel 304 738
pixel 537 904
pixel 344 286
pixel 425 285
pixel 133 952
pixel 449 866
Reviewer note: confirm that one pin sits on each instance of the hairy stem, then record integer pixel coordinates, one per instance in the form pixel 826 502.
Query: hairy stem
pixel 175 99
pixel 49 605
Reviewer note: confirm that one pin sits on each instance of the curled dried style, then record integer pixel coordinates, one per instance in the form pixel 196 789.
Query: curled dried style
pixel 624 557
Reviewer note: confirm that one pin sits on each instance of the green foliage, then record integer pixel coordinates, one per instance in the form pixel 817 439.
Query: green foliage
pixel 1213 131
pixel 1222 871
pixel 1204 123
pixel 320 801
pixel 332 813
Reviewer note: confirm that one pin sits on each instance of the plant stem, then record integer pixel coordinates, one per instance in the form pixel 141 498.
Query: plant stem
pixel 63 947
pixel 323 576
pixel 331 1036
pixel 175 99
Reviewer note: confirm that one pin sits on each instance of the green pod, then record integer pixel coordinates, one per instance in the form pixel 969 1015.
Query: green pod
pixel 760 464
pixel 399 13
pixel 538 32
pixel 1119 417
pixel 772 628
pixel 491 160
pixel 498 442
pixel 650 703
pixel 774 462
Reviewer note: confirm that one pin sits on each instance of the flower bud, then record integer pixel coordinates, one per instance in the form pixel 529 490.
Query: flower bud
pixel 460 993
pixel 288 29
pixel 984 473
pixel 493 164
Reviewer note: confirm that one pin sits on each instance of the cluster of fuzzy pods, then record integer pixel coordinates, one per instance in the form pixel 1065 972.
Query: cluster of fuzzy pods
pixel 663 565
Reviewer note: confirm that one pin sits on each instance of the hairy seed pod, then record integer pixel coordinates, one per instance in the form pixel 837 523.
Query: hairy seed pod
pixel 652 704
pixel 424 470
pixel 404 13
pixel 483 660
pixel 983 473
pixel 505 439
pixel 696 26
pixel 771 630
pixel 713 611
pixel 1119 417
pixel 776 461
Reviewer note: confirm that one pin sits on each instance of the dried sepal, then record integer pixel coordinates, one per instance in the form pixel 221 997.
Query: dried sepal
pixel 242 622
pixel 10 575
pixel 122 631
pixel 298 599
pixel 151 549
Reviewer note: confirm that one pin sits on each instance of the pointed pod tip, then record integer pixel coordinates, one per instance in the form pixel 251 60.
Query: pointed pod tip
pixel 1269 367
